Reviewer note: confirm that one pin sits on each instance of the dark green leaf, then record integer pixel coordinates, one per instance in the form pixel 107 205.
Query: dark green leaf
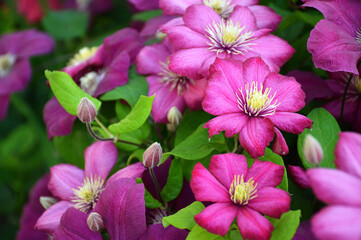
pixel 285 228
pixel 174 182
pixel 199 233
pixel 150 201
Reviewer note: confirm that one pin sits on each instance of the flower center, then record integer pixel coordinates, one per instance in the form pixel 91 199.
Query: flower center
pixel 241 192
pixel 83 55
pixel 87 195
pixel 90 81
pixel 229 37
pixel 256 102
pixel 156 216
pixel 175 81
pixel 6 64
pixel 358 35
pixel 222 7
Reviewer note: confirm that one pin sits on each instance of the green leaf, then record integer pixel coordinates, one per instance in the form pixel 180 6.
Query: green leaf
pixel 199 233
pixel 137 154
pixel 150 201
pixel 184 218
pixel 130 92
pixel 310 17
pixel 136 118
pixel 146 15
pixel 325 129
pixel 174 182
pixel 137 136
pixel 66 24
pixel 67 92
pixel 285 228
pixel 197 145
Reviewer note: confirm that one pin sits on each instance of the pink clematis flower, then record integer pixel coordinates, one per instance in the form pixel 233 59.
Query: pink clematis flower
pixel 335 42
pixel 96 70
pixel 341 190
pixel 239 192
pixel 206 36
pixel 266 17
pixel 250 100
pixel 15 71
pixel 81 189
pixel 170 89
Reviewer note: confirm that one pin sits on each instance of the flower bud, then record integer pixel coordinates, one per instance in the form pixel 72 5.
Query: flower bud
pixel 153 155
pixel 174 116
pixel 47 202
pixel 312 150
pixel 95 221
pixel 86 111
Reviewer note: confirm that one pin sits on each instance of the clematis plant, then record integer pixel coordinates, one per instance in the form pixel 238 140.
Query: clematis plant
pixel 250 100
pixel 239 192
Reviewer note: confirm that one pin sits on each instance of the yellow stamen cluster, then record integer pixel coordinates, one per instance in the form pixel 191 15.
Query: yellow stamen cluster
pixel 222 7
pixel 242 192
pixel 6 63
pixel 358 84
pixel 87 195
pixel 83 55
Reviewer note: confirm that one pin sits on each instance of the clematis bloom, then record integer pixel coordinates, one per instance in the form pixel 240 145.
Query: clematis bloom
pixel 15 70
pixel 81 189
pixel 341 190
pixel 239 192
pixel 250 100
pixel 206 36
pixel 335 42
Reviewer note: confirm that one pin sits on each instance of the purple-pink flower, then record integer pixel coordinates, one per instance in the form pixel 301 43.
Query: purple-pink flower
pixel 206 36
pixel 335 42
pixel 15 71
pixel 239 192
pixel 81 189
pixel 170 89
pixel 250 100
pixel 96 70
pixel 341 190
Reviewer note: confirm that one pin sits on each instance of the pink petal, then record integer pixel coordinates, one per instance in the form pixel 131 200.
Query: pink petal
pixel 226 166
pixel 149 57
pixel 256 135
pixel 144 5
pixel 132 171
pixel 266 17
pixel 333 49
pixel 348 152
pixel 4 99
pixel 290 122
pixel 337 222
pixel 188 62
pixel 335 187
pixel 265 174
pixel 280 145
pixel 245 17
pixel 176 7
pixel 231 123
pixel 63 179
pixel 245 2
pixel 206 187
pixel 50 219
pixel 164 100
pixel 255 70
pixel 217 218
pixel 199 17
pixel 271 201
pixel 299 176
pixel 289 93
pixel 195 94
pixel 220 97
pixel 253 225
pixel 17 79
pixel 100 158
pixel 183 37
pixel 58 121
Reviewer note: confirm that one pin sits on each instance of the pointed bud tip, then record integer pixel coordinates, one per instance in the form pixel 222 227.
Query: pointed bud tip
pixel 47 202
pixel 86 111
pixel 312 150
pixel 153 155
pixel 95 221
pixel 174 116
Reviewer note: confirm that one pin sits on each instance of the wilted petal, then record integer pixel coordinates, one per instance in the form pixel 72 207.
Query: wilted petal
pixel 253 225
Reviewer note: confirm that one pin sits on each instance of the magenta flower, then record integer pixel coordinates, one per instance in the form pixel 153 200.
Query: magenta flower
pixel 239 192
pixel 207 36
pixel 266 17
pixel 335 42
pixel 81 189
pixel 15 71
pixel 341 190
pixel 170 89
pixel 144 5
pixel 96 70
pixel 250 100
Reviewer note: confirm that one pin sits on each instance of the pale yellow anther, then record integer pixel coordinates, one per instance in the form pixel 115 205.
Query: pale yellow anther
pixel 242 192
pixel 83 55
pixel 6 63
